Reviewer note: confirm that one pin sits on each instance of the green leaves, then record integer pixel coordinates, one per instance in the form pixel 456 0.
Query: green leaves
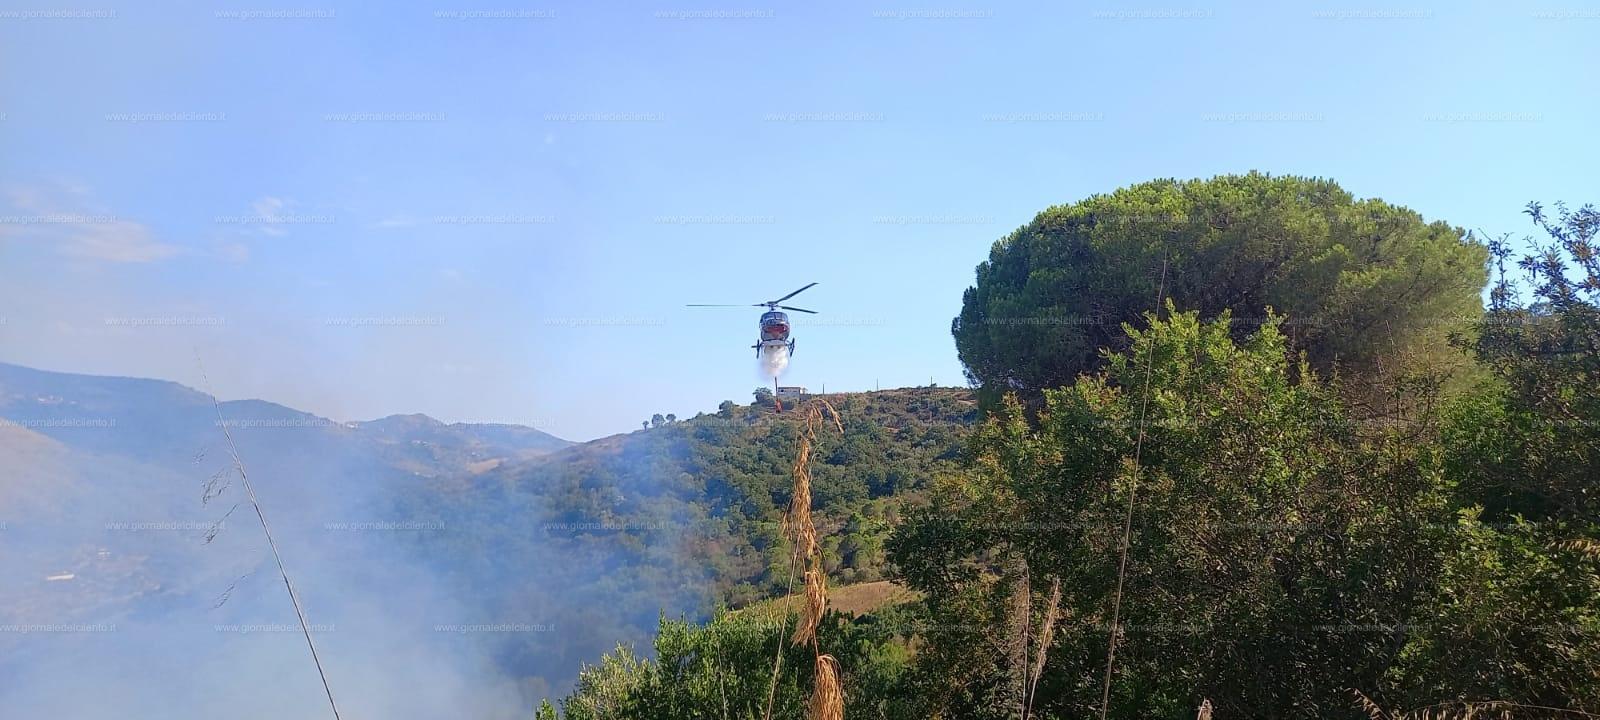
pixel 1357 280
pixel 1262 564
pixel 1289 541
pixel 721 670
pixel 1515 610
pixel 1515 614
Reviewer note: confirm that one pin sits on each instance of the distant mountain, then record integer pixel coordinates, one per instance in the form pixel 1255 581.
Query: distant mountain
pixel 458 569
pixel 148 418
pixel 431 444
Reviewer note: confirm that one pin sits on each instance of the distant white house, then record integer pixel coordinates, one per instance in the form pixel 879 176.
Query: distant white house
pixel 792 392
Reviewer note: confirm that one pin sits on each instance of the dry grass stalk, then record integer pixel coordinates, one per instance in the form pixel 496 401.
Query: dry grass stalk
pixel 833 414
pixel 801 528
pixel 1466 710
pixel 798 521
pixel 827 694
pixel 1047 631
pixel 1021 623
pixel 816 603
pixel 1373 710
pixel 1582 546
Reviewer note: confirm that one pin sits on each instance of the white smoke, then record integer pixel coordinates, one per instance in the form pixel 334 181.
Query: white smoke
pixel 774 360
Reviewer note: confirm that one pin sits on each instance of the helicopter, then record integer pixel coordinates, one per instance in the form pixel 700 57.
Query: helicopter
pixel 774 324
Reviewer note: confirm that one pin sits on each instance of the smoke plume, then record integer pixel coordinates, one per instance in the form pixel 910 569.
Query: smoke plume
pixel 135 581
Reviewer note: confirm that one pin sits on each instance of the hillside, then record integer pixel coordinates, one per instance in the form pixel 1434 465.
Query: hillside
pixel 715 482
pixel 602 538
pixel 401 525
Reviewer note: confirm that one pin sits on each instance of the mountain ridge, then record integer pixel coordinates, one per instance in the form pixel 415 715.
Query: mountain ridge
pixel 46 399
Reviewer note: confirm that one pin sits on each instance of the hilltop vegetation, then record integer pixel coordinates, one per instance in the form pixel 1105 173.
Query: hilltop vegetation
pixel 714 485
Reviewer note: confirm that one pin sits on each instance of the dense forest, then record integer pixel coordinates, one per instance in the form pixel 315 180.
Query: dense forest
pixel 598 540
pixel 1249 447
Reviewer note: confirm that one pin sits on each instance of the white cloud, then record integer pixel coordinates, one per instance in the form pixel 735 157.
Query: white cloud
pixel 270 210
pixel 118 241
pixel 234 252
pixel 268 206
pixel 64 216
pixel 273 216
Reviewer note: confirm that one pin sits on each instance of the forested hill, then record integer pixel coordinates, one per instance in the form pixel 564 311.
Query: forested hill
pixel 600 539
pixel 711 488
pixel 721 479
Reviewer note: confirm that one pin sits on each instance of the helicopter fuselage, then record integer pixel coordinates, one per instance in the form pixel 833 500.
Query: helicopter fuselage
pixel 774 332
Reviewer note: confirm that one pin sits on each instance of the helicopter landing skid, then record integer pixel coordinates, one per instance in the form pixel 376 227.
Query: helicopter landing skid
pixel 772 343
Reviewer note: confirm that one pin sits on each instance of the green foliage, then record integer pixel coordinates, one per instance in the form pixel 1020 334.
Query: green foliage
pixel 609 689
pixel 1357 279
pixel 723 670
pixel 1287 547
pixel 1516 609
pixel 1524 446
pixel 1259 572
pixel 1513 614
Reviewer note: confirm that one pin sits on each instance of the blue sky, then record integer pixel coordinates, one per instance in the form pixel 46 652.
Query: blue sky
pixel 376 208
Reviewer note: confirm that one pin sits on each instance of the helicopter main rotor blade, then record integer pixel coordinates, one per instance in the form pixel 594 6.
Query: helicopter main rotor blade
pixel 786 307
pixel 790 295
pixel 705 305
